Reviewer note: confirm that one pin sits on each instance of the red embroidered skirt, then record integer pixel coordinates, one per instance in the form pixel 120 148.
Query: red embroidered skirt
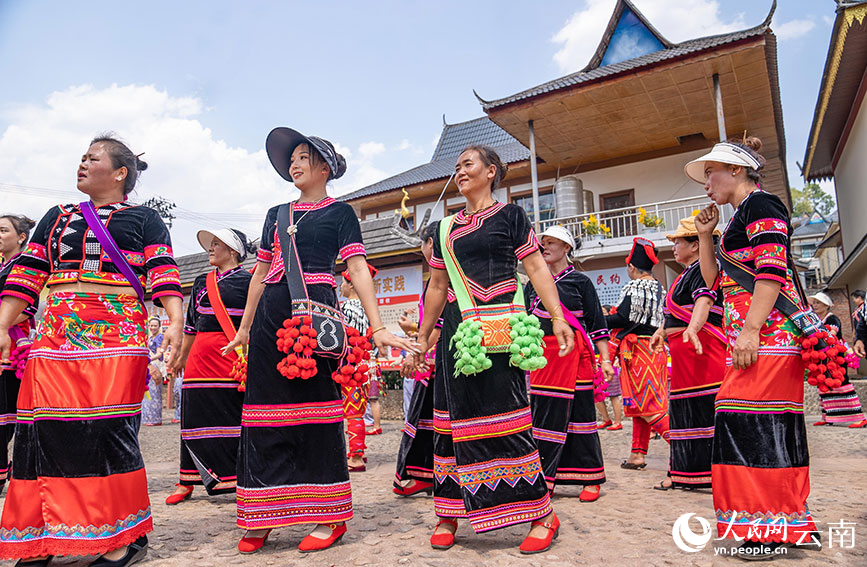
pixel 210 416
pixel 78 485
pixel 564 416
pixel 643 377
pixel 761 465
pixel 695 381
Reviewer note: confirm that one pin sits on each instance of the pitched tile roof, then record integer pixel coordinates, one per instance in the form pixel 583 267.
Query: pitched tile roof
pixel 385 235
pixel 589 74
pixel 454 138
pixel 192 266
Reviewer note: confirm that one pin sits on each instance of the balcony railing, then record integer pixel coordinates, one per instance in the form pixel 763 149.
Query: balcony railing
pixel 625 221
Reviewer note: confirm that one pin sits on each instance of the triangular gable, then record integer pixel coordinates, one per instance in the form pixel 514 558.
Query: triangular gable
pixel 628 35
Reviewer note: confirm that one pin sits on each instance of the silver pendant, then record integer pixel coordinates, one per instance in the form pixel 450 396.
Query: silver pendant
pixel 291 229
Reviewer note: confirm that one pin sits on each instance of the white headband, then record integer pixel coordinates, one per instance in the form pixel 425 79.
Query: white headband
pixel 724 152
pixel 225 235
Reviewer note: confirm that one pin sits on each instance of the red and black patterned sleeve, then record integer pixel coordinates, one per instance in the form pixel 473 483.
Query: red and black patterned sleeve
pixel 32 268
pixel 160 262
pixel 192 317
pixel 436 259
pixel 694 282
pixel 524 239
pixel 266 244
pixel 767 222
pixel 593 318
pixel 349 233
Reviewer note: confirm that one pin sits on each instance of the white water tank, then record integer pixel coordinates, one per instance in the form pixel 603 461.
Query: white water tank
pixel 569 196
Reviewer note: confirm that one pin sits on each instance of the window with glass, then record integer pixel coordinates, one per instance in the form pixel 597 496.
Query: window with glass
pixel 547 210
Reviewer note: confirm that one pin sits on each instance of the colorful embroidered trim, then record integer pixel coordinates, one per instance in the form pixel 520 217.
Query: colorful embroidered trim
pixel 753 406
pixel 312 413
pixel 279 506
pixel 486 427
pixel 490 473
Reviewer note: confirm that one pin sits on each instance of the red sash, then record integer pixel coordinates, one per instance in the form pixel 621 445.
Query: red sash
pixel 219 307
pixel 685 315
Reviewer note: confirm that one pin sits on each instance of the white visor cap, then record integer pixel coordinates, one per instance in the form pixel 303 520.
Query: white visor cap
pixel 722 153
pixel 226 236
pixel 559 233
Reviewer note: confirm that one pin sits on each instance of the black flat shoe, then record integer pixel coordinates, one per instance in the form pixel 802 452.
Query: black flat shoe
pixel 135 552
pixel 34 562
pixel 632 466
pixel 661 486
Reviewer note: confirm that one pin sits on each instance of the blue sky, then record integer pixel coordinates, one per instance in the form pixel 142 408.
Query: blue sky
pixel 198 85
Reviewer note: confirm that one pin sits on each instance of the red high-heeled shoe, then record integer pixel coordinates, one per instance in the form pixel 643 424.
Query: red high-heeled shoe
pixel 858 424
pixel 179 497
pixel 540 544
pixel 252 544
pixel 313 543
pixel 444 540
pixel 414 487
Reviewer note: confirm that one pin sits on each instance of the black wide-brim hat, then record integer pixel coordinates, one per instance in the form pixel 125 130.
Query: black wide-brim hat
pixel 281 142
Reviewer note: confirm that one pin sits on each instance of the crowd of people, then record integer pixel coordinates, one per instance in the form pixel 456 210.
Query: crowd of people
pixel 502 380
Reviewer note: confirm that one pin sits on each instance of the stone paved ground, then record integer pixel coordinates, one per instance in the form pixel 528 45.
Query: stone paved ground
pixel 629 525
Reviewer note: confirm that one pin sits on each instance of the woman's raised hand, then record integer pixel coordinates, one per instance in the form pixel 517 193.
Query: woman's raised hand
pixel 707 219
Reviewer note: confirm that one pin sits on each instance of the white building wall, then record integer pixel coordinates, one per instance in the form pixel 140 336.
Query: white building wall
pixel 654 180
pixel 850 179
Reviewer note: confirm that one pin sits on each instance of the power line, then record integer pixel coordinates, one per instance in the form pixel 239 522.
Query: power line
pixel 214 220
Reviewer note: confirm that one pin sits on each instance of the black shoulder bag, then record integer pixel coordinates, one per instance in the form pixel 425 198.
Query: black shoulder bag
pixel 327 321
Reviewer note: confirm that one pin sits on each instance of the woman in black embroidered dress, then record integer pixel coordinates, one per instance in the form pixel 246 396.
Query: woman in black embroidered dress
pixel 211 400
pixel 292 461
pixel 840 405
pixel 564 414
pixel 14 234
pixel 79 485
pixel 486 462
pixel 761 463
pixel 415 455
pixel 693 329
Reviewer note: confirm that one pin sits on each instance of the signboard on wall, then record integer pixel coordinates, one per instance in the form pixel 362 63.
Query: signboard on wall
pixel 397 290
pixel 609 283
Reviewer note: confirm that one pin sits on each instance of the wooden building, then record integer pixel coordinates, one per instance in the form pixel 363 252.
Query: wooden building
pixel 609 141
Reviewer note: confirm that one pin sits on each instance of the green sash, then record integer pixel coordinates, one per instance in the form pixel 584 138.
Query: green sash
pixel 497 328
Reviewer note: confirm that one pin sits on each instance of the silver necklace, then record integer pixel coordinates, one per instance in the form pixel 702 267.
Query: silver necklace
pixel 293 228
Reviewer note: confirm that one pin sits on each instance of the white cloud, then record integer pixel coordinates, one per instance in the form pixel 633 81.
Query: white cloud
pixel 793 29
pixel 371 149
pixel 43 143
pixel 677 20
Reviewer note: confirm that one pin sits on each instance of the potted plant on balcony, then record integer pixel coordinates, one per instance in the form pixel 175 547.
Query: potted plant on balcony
pixel 650 223
pixel 594 229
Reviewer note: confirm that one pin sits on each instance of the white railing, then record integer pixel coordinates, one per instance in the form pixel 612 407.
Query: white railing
pixel 624 221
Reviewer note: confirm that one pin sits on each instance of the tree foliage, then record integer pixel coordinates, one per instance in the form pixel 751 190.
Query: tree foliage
pixel 811 198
